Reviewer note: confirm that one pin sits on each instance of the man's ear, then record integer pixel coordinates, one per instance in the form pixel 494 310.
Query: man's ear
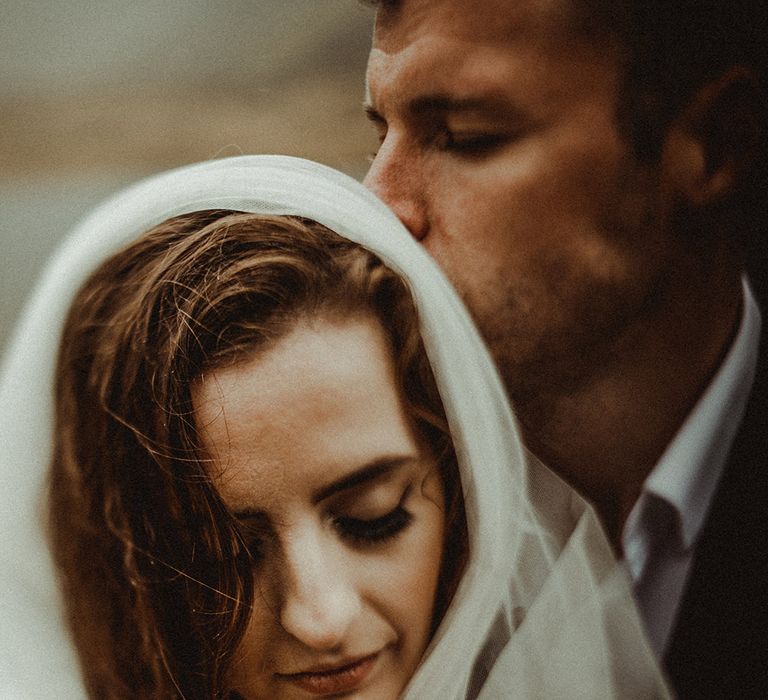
pixel 715 138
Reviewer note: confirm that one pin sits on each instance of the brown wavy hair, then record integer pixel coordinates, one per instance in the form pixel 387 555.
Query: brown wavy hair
pixel 156 578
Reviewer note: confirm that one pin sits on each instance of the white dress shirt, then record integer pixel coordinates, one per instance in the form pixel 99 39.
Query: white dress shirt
pixel 662 530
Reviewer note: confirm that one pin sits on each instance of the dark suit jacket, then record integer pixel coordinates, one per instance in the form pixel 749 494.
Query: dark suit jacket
pixel 719 646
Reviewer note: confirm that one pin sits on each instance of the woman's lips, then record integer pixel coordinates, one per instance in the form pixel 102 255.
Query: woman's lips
pixel 341 679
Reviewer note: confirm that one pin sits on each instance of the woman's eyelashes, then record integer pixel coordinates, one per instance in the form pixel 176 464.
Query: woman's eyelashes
pixel 254 540
pixel 374 531
pixel 358 531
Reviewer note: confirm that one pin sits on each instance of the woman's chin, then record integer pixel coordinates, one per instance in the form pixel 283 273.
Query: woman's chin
pixel 378 676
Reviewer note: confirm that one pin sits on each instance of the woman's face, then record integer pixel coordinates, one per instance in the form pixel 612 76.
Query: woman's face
pixel 340 505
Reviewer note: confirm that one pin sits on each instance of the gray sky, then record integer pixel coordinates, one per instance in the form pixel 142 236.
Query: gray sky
pixel 55 45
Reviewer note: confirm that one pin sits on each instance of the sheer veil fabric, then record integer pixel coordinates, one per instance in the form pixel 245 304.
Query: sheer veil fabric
pixel 544 609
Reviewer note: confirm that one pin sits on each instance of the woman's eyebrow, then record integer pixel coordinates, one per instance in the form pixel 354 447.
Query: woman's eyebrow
pixel 257 518
pixel 369 472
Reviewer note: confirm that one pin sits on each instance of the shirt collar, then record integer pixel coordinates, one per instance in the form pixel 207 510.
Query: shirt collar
pixel 688 471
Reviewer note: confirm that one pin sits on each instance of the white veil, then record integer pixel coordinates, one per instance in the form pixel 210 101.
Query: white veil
pixel 543 610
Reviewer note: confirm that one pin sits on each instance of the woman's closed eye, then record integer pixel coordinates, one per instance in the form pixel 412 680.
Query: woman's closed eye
pixel 358 531
pixel 373 531
pixel 370 531
pixel 254 533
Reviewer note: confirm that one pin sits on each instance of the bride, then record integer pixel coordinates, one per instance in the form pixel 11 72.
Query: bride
pixel 542 609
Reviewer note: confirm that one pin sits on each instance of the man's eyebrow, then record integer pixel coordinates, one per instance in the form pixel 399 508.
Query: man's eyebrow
pixel 446 103
pixel 370 472
pixel 425 105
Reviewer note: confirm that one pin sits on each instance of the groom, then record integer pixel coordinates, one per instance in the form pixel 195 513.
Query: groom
pixel 591 175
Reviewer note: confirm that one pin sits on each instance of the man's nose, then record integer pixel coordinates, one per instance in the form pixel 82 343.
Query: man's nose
pixel 319 599
pixel 395 177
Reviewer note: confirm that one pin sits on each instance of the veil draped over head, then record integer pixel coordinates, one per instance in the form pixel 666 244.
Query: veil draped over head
pixel 543 609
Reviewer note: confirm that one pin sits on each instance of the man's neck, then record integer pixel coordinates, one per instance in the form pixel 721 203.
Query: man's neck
pixel 606 437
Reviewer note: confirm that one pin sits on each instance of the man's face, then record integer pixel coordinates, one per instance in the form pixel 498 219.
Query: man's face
pixel 501 152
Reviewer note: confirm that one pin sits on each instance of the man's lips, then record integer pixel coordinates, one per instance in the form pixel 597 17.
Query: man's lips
pixel 332 680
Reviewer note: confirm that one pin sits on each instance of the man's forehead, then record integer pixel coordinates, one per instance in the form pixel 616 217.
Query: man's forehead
pixel 433 66
pixel 468 50
pixel 482 21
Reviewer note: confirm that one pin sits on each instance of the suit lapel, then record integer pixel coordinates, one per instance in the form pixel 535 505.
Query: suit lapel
pixel 719 647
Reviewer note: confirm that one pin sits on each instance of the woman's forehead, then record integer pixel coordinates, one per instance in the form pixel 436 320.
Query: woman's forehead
pixel 322 400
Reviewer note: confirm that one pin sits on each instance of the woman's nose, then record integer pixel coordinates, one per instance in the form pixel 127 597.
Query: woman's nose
pixel 395 178
pixel 320 601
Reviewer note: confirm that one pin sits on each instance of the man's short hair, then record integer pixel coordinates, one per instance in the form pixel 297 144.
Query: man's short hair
pixel 672 48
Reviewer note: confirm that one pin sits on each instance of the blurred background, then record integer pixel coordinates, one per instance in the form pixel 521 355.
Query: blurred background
pixel 94 95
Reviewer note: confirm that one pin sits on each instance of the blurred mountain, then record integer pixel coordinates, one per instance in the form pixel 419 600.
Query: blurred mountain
pixel 94 95
pixel 146 85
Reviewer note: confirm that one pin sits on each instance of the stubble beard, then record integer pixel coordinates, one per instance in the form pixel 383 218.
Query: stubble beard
pixel 590 327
